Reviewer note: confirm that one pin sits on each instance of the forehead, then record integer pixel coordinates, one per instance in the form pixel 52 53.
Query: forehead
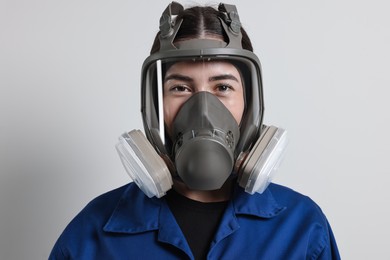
pixel 201 67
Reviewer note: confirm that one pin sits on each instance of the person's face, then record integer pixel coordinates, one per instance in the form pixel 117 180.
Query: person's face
pixel 220 78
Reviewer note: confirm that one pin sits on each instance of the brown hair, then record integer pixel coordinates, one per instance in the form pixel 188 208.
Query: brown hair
pixel 200 22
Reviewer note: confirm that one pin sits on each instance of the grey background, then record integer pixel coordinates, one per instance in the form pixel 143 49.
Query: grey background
pixel 69 86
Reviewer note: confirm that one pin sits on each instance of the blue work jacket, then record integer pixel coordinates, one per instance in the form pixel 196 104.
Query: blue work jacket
pixel 126 224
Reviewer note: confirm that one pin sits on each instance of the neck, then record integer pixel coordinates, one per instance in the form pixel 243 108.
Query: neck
pixel 222 194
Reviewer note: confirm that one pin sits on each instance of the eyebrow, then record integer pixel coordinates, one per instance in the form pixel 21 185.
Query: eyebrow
pixel 189 79
pixel 222 77
pixel 178 77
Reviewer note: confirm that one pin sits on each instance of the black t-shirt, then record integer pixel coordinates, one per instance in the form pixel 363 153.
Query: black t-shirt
pixel 197 220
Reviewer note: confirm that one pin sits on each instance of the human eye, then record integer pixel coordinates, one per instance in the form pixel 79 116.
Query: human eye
pixel 223 88
pixel 179 88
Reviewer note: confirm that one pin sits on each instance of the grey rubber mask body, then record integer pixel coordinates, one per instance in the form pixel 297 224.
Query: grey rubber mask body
pixel 205 135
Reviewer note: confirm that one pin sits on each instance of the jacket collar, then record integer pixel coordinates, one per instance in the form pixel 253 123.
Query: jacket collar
pixel 260 205
pixel 147 214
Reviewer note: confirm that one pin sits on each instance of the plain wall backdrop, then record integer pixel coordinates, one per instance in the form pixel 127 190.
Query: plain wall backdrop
pixel 69 86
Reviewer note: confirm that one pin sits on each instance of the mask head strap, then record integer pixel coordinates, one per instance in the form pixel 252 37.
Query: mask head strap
pixel 232 25
pixel 169 25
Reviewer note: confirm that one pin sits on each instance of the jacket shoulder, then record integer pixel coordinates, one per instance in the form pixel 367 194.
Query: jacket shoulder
pixel 307 215
pixel 291 198
pixel 88 222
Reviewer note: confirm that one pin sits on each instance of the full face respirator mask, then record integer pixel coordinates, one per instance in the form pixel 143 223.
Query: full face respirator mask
pixel 204 145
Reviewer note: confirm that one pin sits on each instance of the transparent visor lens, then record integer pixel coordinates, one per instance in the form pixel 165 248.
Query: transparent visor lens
pixel 169 83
